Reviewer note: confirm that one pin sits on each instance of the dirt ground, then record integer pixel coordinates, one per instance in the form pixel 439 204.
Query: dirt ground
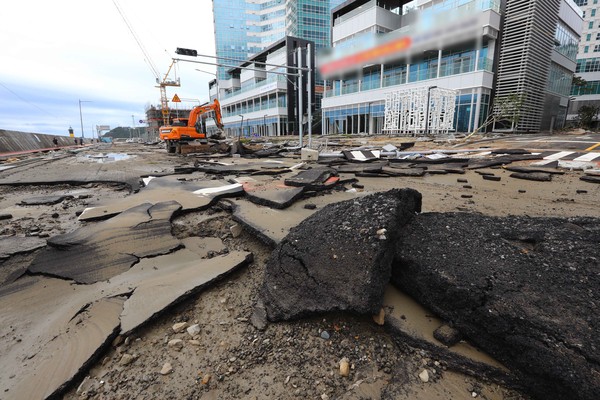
pixel 228 357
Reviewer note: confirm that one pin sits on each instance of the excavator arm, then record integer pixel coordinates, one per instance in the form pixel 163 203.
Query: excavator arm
pixel 198 119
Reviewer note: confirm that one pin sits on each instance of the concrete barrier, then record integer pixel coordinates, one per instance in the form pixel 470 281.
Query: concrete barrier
pixel 14 142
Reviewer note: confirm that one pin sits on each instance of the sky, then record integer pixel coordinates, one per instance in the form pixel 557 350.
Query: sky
pixel 62 54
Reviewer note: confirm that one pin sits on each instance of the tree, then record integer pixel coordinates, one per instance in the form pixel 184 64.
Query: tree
pixel 586 115
pixel 506 109
pixel 579 83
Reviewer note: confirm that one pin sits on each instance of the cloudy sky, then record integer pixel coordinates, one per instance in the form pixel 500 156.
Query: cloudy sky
pixel 56 53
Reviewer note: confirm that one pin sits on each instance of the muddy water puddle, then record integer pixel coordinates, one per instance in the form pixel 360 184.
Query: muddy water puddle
pixel 420 323
pixel 109 157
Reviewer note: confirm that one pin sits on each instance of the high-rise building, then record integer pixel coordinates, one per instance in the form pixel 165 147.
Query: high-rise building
pixel 482 49
pixel 588 62
pixel 244 28
pixel 257 99
pixel 537 60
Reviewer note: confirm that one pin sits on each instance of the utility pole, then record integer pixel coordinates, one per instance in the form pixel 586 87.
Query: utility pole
pixel 81 115
pixel 300 99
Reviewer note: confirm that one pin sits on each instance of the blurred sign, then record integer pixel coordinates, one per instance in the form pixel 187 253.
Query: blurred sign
pixel 176 99
pixel 103 127
pixel 142 121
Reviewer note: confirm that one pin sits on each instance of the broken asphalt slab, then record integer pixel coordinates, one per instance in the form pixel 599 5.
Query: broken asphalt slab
pixel 313 176
pixel 100 251
pixel 61 359
pixel 190 194
pixel 339 259
pixel 11 245
pixel 59 328
pixel 525 290
pixel 179 275
pixel 67 170
pixel 276 194
pixel 590 178
pixel 534 169
pixel 532 176
pixel 241 168
pixel 43 200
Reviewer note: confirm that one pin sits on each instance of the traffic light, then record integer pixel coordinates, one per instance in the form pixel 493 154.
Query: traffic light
pixel 186 52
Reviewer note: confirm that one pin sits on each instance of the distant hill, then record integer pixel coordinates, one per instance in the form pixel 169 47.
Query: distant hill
pixel 125 132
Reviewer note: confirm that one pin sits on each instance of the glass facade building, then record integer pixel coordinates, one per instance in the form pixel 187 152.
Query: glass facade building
pixel 494 57
pixel 588 62
pixel 246 28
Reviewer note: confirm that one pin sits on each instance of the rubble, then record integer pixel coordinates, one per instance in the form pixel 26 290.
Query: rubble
pixel 532 176
pixel 520 288
pixel 333 260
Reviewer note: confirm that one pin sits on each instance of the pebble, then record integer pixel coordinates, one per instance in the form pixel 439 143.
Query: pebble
pixel 344 367
pixel 206 379
pixel 166 369
pixel 379 319
pixel 176 344
pixel 179 327
pixel 194 342
pixel 126 359
pixel 193 330
pixel 324 396
pixel 474 394
pixel 424 376
pixel 325 335
pixel 310 206
pixel 236 230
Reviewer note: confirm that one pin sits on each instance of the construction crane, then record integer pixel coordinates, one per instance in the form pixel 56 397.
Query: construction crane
pixel 162 83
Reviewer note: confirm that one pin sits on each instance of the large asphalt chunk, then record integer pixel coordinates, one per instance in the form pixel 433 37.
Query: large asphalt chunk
pixel 98 252
pixel 339 258
pixel 526 290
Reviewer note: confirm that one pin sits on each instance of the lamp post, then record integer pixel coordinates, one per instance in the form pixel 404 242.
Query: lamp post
pixel 81 116
pixel 569 100
pixel 241 126
pixel 265 124
pixel 427 109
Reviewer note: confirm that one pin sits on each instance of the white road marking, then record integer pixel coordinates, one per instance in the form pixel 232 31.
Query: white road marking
pixel 587 157
pixel 559 155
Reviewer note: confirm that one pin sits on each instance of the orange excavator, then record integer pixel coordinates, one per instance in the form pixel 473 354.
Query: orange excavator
pixel 192 128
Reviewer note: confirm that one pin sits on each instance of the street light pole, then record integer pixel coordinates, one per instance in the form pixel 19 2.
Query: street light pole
pixel 81 115
pixel 265 125
pixel 241 126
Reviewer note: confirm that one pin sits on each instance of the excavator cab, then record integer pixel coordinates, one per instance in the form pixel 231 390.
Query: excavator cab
pixel 201 124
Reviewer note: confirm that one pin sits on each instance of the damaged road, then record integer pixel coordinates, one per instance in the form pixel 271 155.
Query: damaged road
pixel 107 283
pixel 522 289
